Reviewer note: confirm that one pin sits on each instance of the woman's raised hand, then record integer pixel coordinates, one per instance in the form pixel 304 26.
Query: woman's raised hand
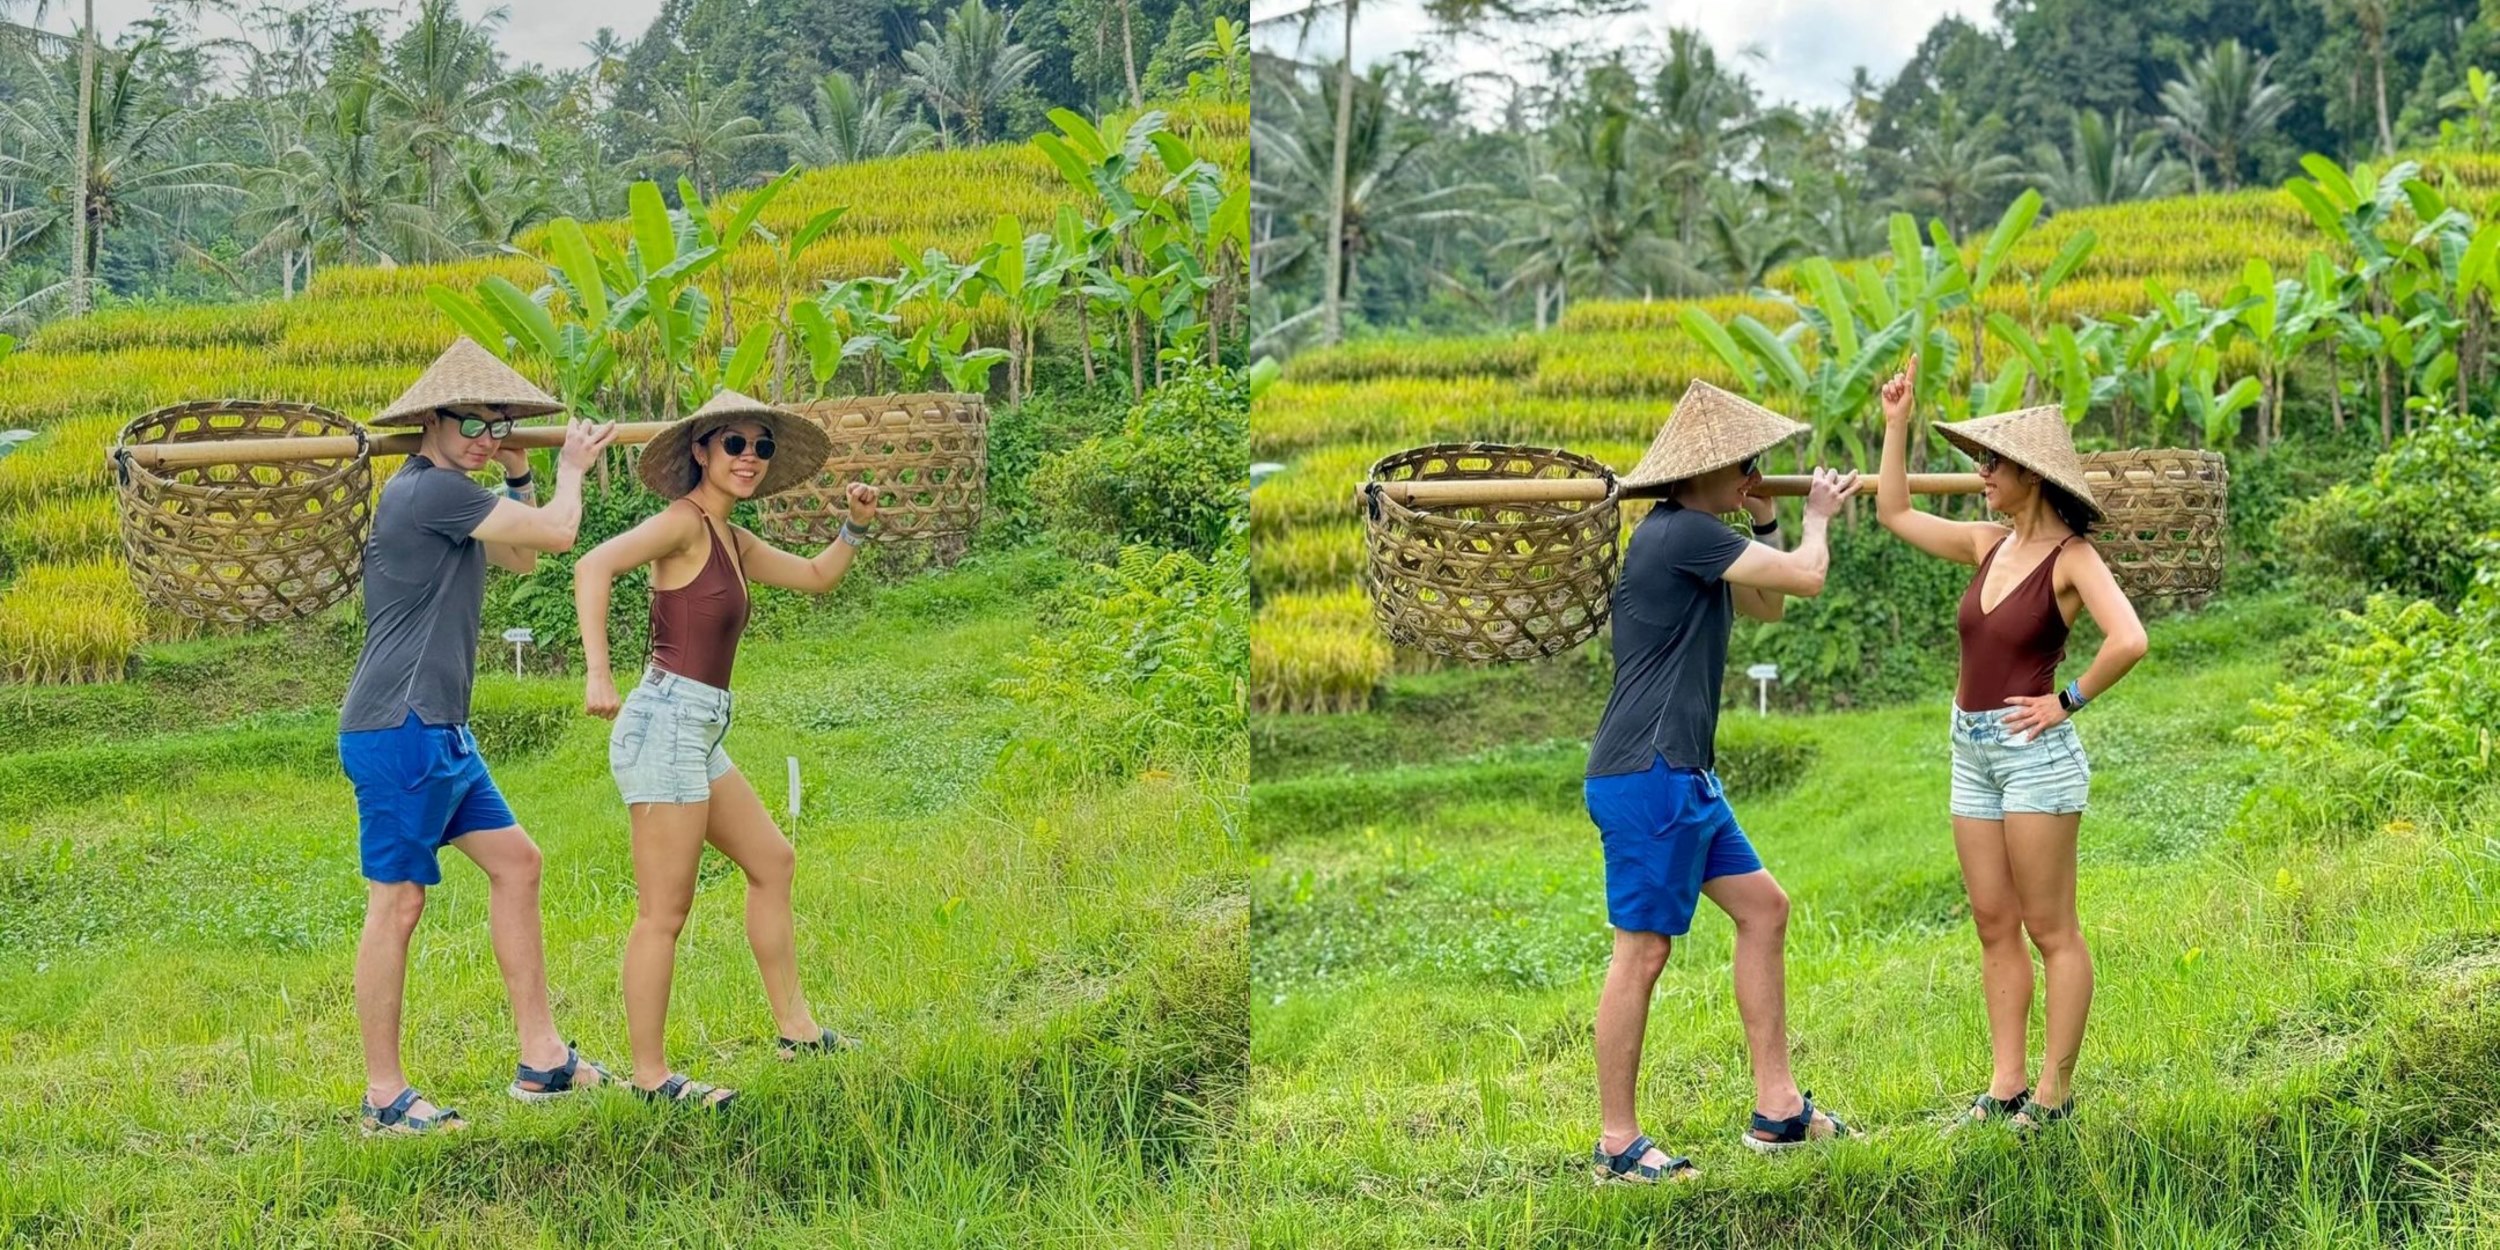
pixel 1898 392
pixel 863 500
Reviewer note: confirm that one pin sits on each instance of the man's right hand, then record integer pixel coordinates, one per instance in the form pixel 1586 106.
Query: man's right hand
pixel 599 696
pixel 1831 488
pixel 583 442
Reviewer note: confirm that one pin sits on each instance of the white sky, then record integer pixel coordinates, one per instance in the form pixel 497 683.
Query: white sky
pixel 1810 45
pixel 549 32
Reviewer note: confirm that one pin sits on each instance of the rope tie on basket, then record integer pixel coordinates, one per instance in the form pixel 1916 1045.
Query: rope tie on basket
pixel 1371 491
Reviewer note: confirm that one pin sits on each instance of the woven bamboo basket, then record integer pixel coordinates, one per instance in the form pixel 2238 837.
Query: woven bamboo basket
pixel 244 543
pixel 2167 513
pixel 1509 581
pixel 928 454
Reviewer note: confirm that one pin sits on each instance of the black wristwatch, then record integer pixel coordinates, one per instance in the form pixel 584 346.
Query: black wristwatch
pixel 1765 529
pixel 516 483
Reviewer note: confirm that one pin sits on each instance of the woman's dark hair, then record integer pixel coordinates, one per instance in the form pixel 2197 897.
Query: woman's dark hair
pixel 2074 512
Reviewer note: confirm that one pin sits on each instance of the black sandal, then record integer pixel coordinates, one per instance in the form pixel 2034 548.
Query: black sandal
pixel 1987 1107
pixel 1797 1130
pixel 826 1041
pixel 680 1088
pixel 2036 1116
pixel 555 1082
pixel 1625 1167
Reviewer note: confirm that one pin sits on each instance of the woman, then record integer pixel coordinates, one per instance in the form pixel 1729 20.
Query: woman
pixel 2020 777
pixel 666 751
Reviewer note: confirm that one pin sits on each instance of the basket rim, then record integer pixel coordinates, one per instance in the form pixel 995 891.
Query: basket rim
pixel 1386 510
pixel 137 475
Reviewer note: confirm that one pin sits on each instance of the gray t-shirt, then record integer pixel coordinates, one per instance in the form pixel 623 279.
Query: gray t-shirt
pixel 425 585
pixel 1672 616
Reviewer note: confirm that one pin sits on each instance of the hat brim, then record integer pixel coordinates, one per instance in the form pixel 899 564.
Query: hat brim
pixel 2067 476
pixel 1710 429
pixel 800 450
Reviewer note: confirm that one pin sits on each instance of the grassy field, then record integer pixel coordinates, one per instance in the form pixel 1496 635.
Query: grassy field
pixel 1602 380
pixel 1048 974
pixel 2292 1042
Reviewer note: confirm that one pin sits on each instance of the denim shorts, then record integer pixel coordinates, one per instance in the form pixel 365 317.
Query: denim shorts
pixel 666 746
pixel 1665 832
pixel 418 786
pixel 1993 774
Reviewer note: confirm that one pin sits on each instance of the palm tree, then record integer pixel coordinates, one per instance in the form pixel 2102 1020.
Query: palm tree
pixel 441 91
pixel 1590 224
pixel 335 197
pixel 845 125
pixel 972 65
pixel 2371 18
pixel 136 151
pixel 2107 165
pixel 1746 244
pixel 607 62
pixel 1393 205
pixel 1705 116
pixel 702 132
pixel 2222 106
pixel 1953 165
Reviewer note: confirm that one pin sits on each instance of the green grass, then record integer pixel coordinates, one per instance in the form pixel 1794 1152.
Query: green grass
pixel 2290 1043
pixel 1049 976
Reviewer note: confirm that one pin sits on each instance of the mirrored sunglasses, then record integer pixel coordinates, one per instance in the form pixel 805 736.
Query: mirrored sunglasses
pixel 472 427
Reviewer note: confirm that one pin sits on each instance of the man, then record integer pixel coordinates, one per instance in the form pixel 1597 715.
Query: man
pixel 1665 825
pixel 403 735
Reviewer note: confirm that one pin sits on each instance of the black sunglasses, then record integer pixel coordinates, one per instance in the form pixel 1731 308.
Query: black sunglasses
pixel 1989 462
pixel 1746 466
pixel 736 445
pixel 471 427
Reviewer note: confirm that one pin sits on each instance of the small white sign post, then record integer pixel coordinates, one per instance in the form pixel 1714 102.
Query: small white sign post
pixel 519 638
pixel 1763 675
pixel 794 786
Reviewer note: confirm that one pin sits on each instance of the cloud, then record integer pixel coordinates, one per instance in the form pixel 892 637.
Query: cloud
pixel 1808 46
pixel 549 32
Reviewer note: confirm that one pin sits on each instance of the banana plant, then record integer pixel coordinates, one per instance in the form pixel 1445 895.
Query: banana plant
pixel 1026 272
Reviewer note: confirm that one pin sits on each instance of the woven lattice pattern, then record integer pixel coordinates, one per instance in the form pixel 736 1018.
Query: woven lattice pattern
pixel 927 454
pixel 244 543
pixel 2165 519
pixel 1502 582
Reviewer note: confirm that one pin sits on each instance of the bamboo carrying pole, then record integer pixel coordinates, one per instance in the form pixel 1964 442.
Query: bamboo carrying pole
pixel 343 446
pixel 1462 493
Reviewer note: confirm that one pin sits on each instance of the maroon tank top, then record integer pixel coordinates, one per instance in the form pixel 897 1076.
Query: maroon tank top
pixel 2013 649
pixel 695 628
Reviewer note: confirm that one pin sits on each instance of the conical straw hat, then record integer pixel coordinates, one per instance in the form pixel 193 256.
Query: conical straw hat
pixel 799 452
pixel 1709 429
pixel 467 374
pixel 2035 438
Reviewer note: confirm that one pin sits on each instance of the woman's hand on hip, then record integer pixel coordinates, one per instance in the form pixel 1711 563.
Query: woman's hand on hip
pixel 2034 714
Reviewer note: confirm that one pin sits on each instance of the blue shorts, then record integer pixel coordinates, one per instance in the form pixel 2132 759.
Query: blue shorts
pixel 417 787
pixel 1665 832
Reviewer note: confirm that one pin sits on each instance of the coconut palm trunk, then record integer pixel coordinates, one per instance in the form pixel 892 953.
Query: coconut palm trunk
pixel 80 253
pixel 1335 312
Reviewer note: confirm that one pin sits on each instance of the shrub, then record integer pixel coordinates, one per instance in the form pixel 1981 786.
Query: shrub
pixel 2400 709
pixel 1023 435
pixel 2268 486
pixel 2415 527
pixel 1174 477
pixel 1141 668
